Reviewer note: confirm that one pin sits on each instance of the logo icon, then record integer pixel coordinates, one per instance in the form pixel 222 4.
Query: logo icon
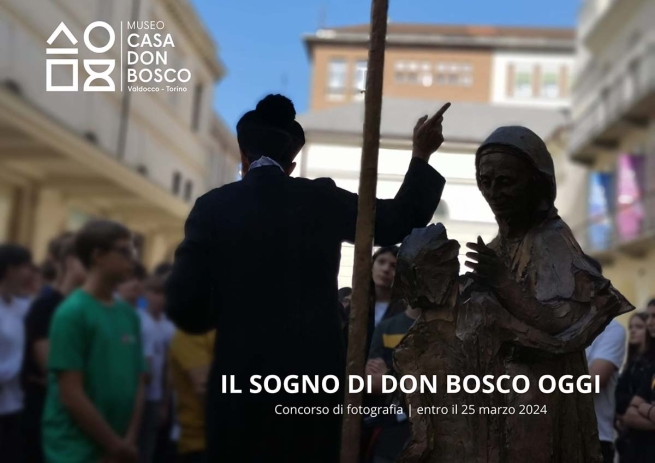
pixel 107 64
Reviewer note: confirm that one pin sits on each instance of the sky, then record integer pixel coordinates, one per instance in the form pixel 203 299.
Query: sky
pixel 260 41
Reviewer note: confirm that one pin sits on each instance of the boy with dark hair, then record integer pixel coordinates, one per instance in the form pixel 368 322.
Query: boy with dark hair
pixel 96 381
pixel 70 276
pixel 131 290
pixel 15 268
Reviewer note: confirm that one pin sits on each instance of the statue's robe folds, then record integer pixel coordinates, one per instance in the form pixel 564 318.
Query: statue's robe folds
pixel 432 348
pixel 481 337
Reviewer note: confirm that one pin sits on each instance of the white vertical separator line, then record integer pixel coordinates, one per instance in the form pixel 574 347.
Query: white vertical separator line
pixel 121 56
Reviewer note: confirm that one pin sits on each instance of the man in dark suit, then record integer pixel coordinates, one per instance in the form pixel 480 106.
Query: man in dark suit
pixel 259 263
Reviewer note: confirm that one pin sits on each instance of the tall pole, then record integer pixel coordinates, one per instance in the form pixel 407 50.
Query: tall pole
pixel 365 227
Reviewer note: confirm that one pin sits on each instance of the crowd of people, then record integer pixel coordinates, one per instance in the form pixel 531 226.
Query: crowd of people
pixel 92 330
pixel 89 328
pixel 91 369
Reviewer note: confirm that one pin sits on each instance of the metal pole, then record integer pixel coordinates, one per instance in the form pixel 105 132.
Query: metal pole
pixel 365 227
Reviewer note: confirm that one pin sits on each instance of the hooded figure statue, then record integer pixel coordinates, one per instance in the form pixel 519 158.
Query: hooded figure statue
pixel 530 306
pixel 537 301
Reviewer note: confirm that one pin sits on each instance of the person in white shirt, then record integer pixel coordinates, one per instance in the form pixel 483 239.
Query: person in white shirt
pixel 15 271
pixel 605 358
pixel 157 332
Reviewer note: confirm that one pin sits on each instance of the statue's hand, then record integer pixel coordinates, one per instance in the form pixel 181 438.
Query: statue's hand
pixel 487 267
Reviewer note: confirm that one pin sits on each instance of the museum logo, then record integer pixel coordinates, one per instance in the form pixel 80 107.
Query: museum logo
pixel 143 68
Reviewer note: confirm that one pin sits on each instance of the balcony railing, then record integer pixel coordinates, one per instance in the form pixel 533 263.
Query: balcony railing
pixel 617 98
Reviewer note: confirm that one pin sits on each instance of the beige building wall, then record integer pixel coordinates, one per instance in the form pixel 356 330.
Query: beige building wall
pixel 427 62
pixel 481 73
pixel 60 158
pixel 466 74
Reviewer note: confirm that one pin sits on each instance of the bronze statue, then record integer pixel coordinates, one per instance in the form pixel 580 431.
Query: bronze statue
pixel 531 305
pixel 427 276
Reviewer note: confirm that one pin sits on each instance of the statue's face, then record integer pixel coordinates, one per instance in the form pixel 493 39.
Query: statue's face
pixel 428 269
pixel 441 282
pixel 507 183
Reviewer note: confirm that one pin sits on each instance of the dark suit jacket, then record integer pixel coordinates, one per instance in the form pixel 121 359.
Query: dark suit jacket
pixel 259 263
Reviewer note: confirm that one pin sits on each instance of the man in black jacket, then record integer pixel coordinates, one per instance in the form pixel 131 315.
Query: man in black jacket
pixel 259 263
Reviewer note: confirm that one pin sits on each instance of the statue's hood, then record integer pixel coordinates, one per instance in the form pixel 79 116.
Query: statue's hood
pixel 526 143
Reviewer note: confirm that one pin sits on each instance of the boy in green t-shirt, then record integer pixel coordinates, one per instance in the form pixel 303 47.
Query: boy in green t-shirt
pixel 96 365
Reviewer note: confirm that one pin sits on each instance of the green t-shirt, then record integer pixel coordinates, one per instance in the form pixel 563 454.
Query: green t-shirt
pixel 104 343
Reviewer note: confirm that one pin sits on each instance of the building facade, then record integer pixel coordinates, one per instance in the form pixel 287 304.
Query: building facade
pixel 138 157
pixel 613 134
pixel 480 64
pixel 493 76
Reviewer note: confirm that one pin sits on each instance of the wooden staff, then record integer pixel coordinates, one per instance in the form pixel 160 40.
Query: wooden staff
pixel 365 227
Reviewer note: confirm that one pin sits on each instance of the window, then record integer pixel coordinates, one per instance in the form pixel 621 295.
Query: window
pixel 523 81
pixel 442 74
pixel 550 82
pixel 188 190
pixel 359 84
pixel 197 106
pixel 399 75
pixel 466 75
pixel 177 181
pixel 337 71
pixel 426 74
pixel 454 74
pixel 407 72
pixel 176 63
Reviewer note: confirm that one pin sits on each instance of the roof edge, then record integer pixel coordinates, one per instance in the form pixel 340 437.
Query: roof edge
pixel 443 41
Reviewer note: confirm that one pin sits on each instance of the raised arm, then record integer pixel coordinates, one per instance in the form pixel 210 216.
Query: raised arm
pixel 188 288
pixel 416 200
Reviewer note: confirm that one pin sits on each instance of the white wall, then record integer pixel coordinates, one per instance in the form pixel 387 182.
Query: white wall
pixel 501 62
pixel 469 215
pixel 159 135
